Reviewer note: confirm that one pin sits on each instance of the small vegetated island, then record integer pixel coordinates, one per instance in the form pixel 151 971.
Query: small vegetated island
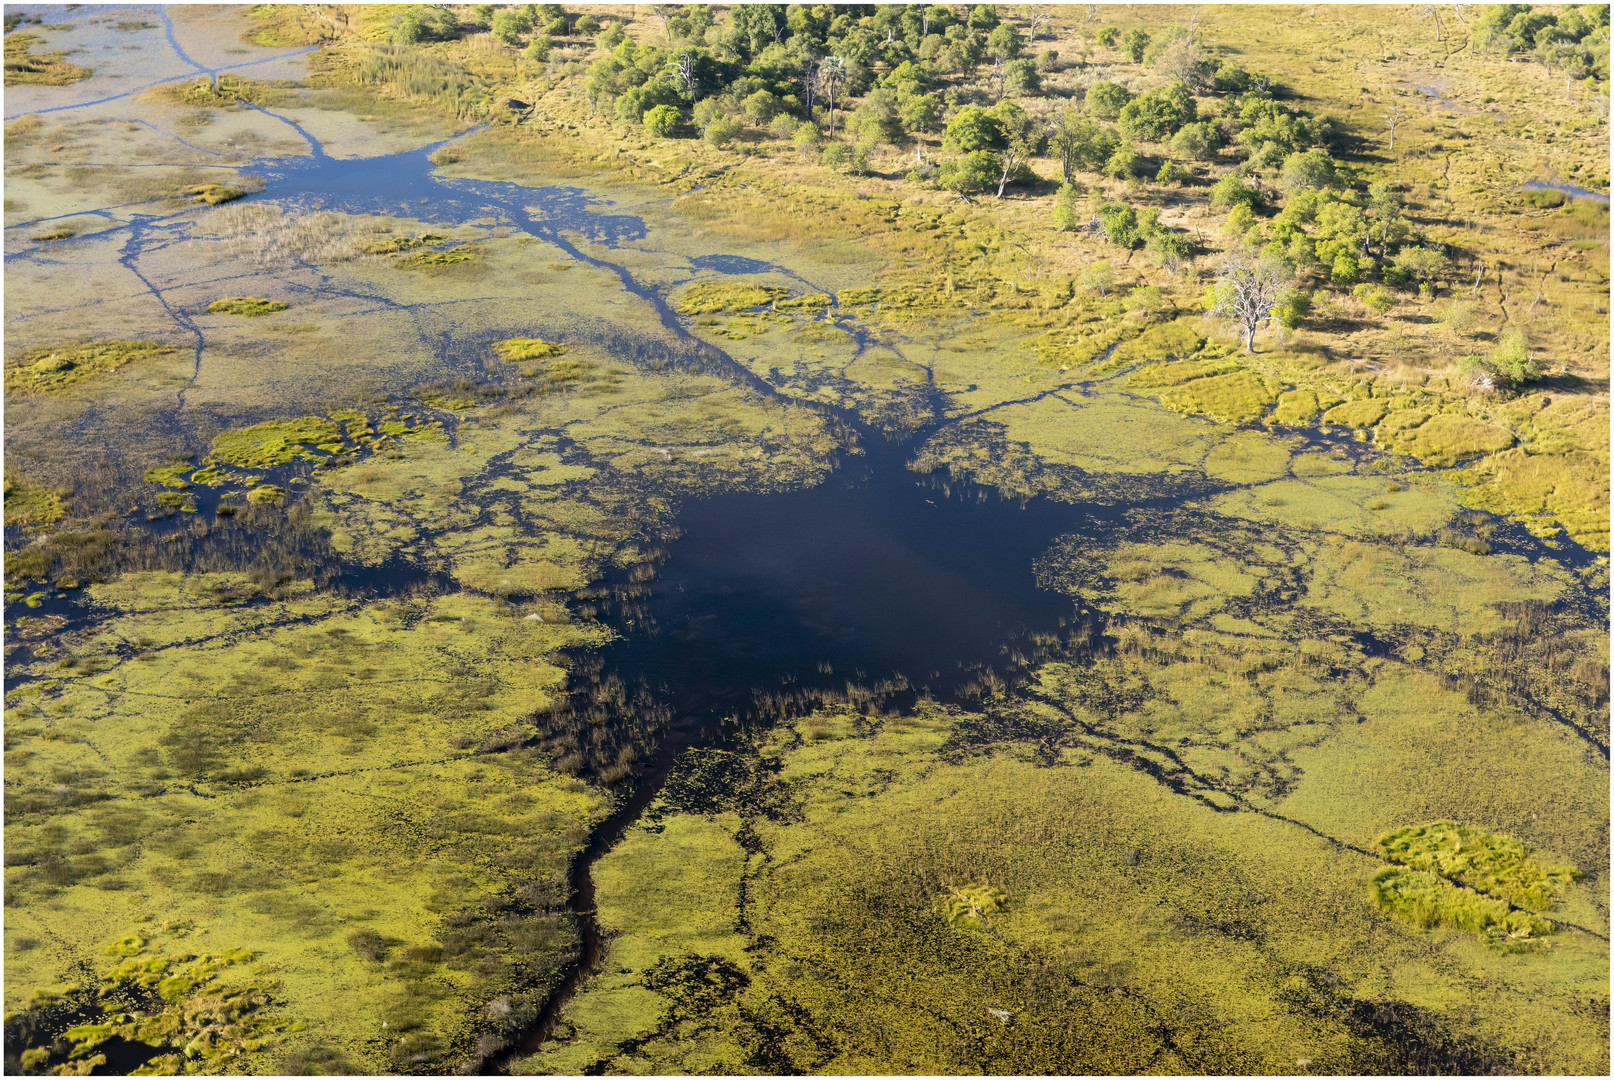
pixel 807 539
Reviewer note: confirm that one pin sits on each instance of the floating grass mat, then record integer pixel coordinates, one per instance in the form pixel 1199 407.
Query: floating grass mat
pixel 395 244
pixel 41 69
pixel 28 503
pixel 1428 901
pixel 54 368
pixel 173 1009
pixel 213 194
pixel 245 305
pixel 522 350
pixel 427 259
pixel 709 297
pixel 1492 863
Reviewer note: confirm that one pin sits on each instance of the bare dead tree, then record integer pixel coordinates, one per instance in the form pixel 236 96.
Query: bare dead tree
pixel 1247 287
pixel 1193 22
pixel 683 66
pixel 1391 119
pixel 664 12
pixel 1433 11
pixel 1036 19
pixel 1092 12
pixel 1457 10
pixel 1000 74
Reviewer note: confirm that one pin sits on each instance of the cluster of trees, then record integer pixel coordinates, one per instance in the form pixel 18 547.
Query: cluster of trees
pixel 1575 42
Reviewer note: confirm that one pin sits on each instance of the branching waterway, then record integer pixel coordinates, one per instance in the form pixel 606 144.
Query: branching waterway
pixel 874 587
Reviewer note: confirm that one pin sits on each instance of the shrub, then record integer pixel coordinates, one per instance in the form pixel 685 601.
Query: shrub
pixel 722 131
pixel 1065 209
pixel 1134 44
pixel 508 26
pixel 663 121
pixel 1124 164
pixel 1022 77
pixel 834 155
pixel 538 50
pixel 807 137
pixel 1105 100
pixel 1292 307
pixel 1156 115
pixel 1120 224
pixel 1231 190
pixel 762 107
pixel 1108 36
pixel 976 171
pixel 1309 169
pixel 1172 173
pixel 1197 140
pixel 971 128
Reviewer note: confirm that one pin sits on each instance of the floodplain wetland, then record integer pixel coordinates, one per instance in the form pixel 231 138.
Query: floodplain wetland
pixel 525 557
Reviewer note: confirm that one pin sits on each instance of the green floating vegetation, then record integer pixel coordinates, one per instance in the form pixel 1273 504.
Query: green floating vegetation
pixel 28 503
pixel 225 91
pixel 426 259
pixel 393 245
pixel 520 350
pixel 1428 901
pixel 808 301
pixel 710 297
pixel 170 476
pixel 276 442
pixel 175 1004
pixel 969 905
pixel 59 232
pixel 1498 865
pixel 41 69
pixel 213 194
pixel 266 494
pixel 53 368
pixel 245 305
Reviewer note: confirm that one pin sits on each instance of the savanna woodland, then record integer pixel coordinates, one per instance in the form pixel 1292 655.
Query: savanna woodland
pixel 806 539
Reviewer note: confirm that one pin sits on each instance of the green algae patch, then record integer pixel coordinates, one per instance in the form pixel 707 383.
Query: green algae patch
pixel 50 370
pixel 1428 901
pixel 524 350
pixel 28 503
pixel 25 67
pixel 275 442
pixel 1362 413
pixel 250 306
pixel 1498 865
pixel 392 245
pixel 711 297
pixel 1443 439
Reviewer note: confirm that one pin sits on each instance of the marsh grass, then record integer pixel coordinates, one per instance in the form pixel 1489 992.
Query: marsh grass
pixel 52 369
pixel 1492 863
pixel 1429 901
pixel 271 237
pixel 26 67
pixel 709 297
pixel 250 306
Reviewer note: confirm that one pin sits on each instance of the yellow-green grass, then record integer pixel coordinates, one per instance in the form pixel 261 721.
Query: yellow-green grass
pixel 52 369
pixel 246 305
